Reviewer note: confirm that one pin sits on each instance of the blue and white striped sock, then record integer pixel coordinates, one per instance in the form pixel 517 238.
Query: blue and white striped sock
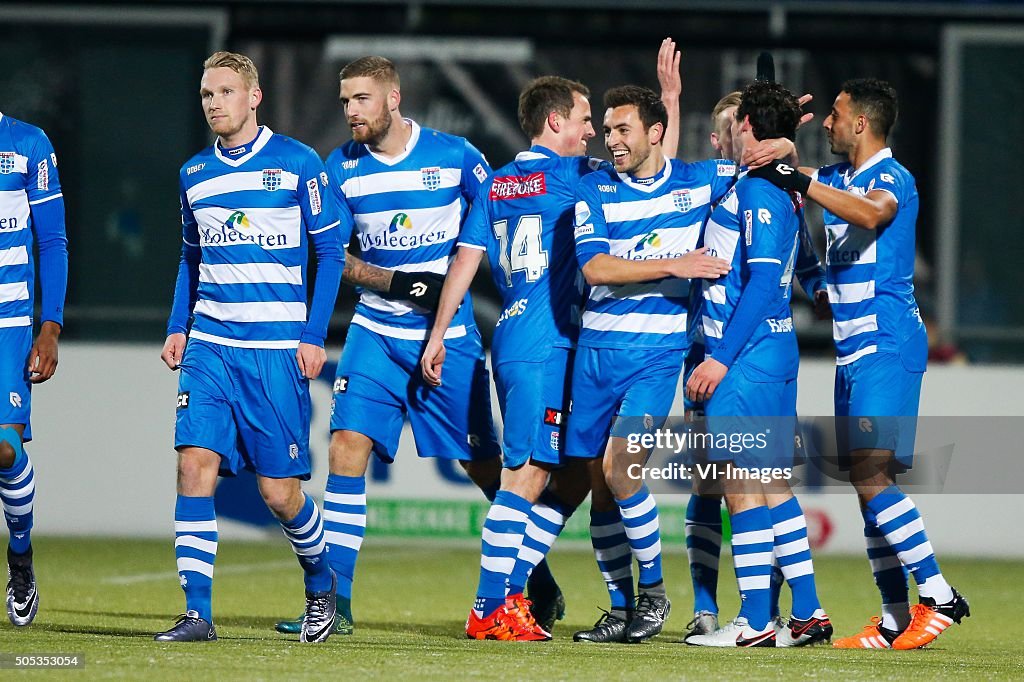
pixel 897 517
pixel 890 576
pixel 195 548
pixel 614 557
pixel 640 519
pixel 18 492
pixel 501 539
pixel 344 526
pixel 752 549
pixel 793 553
pixel 547 519
pixel 306 534
pixel 703 549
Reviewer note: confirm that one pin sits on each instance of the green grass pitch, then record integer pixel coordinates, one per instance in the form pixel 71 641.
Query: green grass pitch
pixel 104 598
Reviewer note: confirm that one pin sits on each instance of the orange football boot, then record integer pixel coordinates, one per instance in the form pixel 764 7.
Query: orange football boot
pixel 873 636
pixel 928 620
pixel 526 627
pixel 498 625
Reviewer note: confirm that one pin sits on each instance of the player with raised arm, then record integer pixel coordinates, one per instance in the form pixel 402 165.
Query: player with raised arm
pixel 31 209
pixel 636 231
pixel 748 382
pixel 245 342
pixel 871 205
pixel 409 189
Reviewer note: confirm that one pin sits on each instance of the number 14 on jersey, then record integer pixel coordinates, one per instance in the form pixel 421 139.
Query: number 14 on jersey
pixel 526 253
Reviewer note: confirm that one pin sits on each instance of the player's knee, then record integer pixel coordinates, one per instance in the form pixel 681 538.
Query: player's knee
pixel 10 443
pixel 484 473
pixel 349 453
pixel 283 502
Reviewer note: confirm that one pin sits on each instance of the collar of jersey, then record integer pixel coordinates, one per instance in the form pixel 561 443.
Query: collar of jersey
pixel 666 170
pixel 413 139
pixel 259 143
pixel 879 156
pixel 1 115
pixel 535 152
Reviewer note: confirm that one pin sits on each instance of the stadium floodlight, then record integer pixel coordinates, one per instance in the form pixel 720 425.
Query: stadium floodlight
pixel 430 48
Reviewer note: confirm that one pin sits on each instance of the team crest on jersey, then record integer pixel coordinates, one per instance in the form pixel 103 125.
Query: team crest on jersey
pixel 271 179
pixel 431 177
pixel 682 200
pixel 6 163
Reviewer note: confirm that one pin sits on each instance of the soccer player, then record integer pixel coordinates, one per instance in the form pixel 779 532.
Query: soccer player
pixel 249 205
pixel 522 221
pixel 31 207
pixel 636 231
pixel 703 512
pixel 409 189
pixel 749 377
pixel 870 216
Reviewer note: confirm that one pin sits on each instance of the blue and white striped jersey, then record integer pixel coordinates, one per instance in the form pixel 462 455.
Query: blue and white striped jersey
pixel 408 212
pixel 659 217
pixel 250 209
pixel 871 272
pixel 28 179
pixel 756 223
pixel 523 218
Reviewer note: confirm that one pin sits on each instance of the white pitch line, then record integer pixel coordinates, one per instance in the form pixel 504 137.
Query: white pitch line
pixel 172 575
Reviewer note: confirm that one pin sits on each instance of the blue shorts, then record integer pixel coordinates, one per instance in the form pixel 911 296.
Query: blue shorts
pixel 752 423
pixel 534 402
pixel 877 400
pixel 249 405
pixel 15 388
pixel 619 392
pixel 379 381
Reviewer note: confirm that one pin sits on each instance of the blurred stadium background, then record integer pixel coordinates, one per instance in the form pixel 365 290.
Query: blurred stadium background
pixel 115 86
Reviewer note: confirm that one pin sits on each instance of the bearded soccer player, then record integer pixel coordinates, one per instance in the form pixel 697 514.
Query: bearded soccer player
pixel 244 340
pixel 409 189
pixel 870 216
pixel 31 209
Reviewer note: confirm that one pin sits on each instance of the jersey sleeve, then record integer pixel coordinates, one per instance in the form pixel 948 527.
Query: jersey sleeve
pixel 721 174
pixel 320 215
pixel 886 180
pixel 43 181
pixel 809 270
pixel 475 171
pixel 318 205
pixel 827 174
pixel 186 286
pixel 477 227
pixel 590 231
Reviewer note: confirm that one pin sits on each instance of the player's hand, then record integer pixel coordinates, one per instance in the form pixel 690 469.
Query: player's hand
pixel 432 361
pixel 42 359
pixel 668 70
pixel 311 359
pixel 822 307
pixel 698 265
pixel 174 348
pixel 421 288
pixel 808 117
pixel 766 151
pixel 705 379
pixel 783 175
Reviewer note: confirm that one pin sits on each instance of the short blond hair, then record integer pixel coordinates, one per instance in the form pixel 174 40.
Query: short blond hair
pixel 238 63
pixel 730 100
pixel 380 69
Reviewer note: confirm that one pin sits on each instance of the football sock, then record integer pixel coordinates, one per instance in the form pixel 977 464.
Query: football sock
pixel 195 549
pixel 344 526
pixel 778 580
pixel 547 519
pixel 501 539
pixel 305 532
pixel 703 548
pixel 614 557
pixel 17 492
pixel 640 520
pixel 901 524
pixel 890 576
pixel 752 546
pixel 793 554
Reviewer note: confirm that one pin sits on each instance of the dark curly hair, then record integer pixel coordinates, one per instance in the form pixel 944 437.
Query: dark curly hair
pixel 875 99
pixel 773 110
pixel 647 103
